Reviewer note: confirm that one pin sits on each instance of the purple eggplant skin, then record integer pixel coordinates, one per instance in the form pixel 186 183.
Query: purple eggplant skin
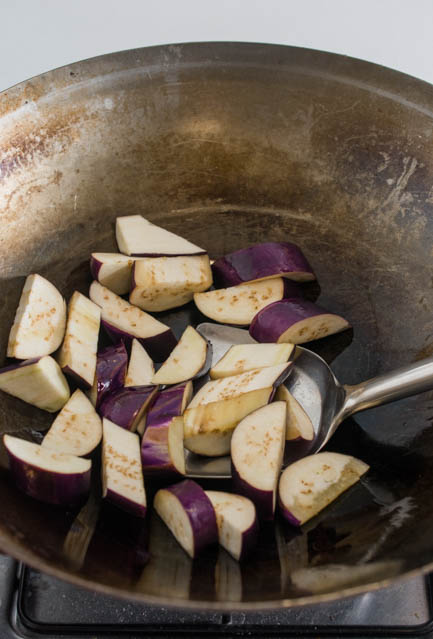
pixel 288 515
pixel 19 364
pixel 260 261
pixel 262 499
pixel 50 487
pixel 128 506
pixel 200 512
pixel 95 267
pixel 79 381
pixel 111 367
pixel 167 404
pixel 125 406
pixel 155 457
pixel 292 289
pixel 154 445
pixel 280 380
pixel 158 346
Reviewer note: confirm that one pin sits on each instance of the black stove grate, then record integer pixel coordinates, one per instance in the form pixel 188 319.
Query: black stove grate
pixel 45 606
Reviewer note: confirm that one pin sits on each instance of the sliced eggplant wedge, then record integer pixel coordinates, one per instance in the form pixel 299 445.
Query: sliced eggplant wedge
pixel 162 444
pixel 39 382
pixel 77 429
pixel 188 512
pixel 241 358
pixel 161 283
pixel 296 321
pixel 220 405
pixel 310 484
pixel 127 406
pixel 112 270
pixel 263 261
pixel 140 367
pixel 257 450
pixel 122 321
pixel 110 373
pixel 77 357
pixel 237 522
pixel 40 320
pixel 137 236
pixel 239 304
pixel 42 473
pixel 122 476
pixel 191 358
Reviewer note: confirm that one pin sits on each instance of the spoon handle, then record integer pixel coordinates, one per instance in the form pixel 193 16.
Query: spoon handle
pixel 403 382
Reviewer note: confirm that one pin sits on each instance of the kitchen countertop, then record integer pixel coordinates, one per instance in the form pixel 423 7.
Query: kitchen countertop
pixel 38 35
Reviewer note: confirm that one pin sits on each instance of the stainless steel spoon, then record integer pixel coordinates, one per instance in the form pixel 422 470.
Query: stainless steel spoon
pixel 313 384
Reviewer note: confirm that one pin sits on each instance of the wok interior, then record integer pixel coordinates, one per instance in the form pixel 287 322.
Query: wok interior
pixel 230 145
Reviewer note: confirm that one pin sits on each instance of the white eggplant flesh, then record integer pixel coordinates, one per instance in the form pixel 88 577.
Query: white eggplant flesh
pixel 122 475
pixel 310 484
pixel 161 283
pixel 77 356
pixel 77 429
pixel 40 320
pixel 140 367
pixel 112 270
pixel 137 236
pixel 239 304
pixel 186 361
pixel 237 522
pixel 241 358
pixel 46 475
pixel 299 425
pixel 257 450
pixel 39 382
pixel 216 444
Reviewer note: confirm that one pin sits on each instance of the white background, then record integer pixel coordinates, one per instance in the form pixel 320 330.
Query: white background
pixel 37 35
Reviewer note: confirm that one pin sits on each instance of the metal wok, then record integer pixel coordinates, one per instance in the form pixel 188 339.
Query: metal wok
pixel 230 144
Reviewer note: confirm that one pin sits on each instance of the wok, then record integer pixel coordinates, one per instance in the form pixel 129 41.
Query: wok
pixel 230 144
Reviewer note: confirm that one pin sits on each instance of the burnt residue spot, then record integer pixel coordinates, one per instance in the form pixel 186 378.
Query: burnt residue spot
pixel 22 148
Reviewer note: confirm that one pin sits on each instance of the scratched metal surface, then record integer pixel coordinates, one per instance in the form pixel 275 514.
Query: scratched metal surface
pixel 230 144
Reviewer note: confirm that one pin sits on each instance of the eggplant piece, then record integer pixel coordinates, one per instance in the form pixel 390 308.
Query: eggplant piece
pixel 162 452
pixel 220 405
pixel 191 358
pixel 40 320
pixel 241 358
pixel 77 429
pixel 77 356
pixel 161 283
pixel 214 444
pixel 237 523
pixel 39 382
pixel 140 368
pixel 310 484
pixel 47 476
pixel 112 270
pixel 110 373
pixel 137 236
pixel 127 406
pixel 162 444
pixel 296 321
pixel 239 304
pixel 299 425
pixel 122 476
pixel 257 450
pixel 188 513
pixel 262 261
pixel 122 321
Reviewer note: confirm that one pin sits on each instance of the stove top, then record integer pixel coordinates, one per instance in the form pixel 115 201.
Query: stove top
pixel 36 605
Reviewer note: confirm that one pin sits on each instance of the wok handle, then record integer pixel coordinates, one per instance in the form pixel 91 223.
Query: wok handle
pixel 403 382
